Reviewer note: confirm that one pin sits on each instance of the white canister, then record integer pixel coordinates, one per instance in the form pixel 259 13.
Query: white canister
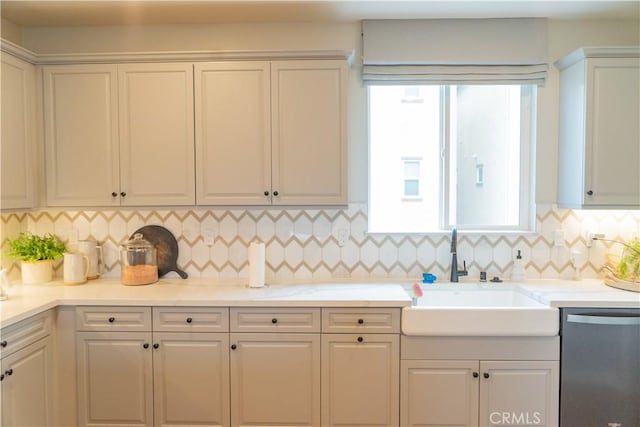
pixel 76 268
pixel 93 252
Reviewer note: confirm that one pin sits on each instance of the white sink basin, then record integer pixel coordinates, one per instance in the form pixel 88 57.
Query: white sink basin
pixel 473 310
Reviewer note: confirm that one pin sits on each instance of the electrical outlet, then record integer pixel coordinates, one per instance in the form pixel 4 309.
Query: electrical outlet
pixel 209 236
pixel 593 236
pixel 342 237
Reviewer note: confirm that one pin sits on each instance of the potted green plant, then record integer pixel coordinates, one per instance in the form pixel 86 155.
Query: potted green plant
pixel 37 254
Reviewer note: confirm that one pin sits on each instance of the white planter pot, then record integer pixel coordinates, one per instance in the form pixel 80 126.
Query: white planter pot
pixel 36 272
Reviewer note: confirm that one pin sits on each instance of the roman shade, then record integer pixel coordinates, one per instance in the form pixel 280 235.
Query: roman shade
pixel 455 51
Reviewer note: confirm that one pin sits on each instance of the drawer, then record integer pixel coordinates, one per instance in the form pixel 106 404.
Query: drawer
pixel 275 319
pixel 190 319
pixel 361 320
pixel 113 318
pixel 20 335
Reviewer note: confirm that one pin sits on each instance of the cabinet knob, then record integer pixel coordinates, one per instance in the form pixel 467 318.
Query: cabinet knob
pixel 360 321
pixel 233 346
pixel 360 339
pixel 274 320
pixel 145 345
pixel 112 319
pixel 275 193
pixel 475 375
pixel 189 320
pixel 1 377
pixel 3 344
pixel 486 375
pixel 156 345
pixel 266 193
pixel 9 372
pixel 114 194
pixel 590 193
pixel 123 194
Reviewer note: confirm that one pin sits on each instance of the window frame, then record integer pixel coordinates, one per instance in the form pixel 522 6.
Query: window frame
pixel 528 121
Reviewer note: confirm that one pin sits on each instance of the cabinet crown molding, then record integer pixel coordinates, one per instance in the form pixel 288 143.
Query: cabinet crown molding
pixel 170 56
pixel 597 52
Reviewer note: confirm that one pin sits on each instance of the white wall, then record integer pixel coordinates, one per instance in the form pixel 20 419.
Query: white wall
pixel 564 36
pixel 11 31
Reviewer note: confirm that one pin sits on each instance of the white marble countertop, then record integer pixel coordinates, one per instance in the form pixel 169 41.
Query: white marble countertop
pixel 27 300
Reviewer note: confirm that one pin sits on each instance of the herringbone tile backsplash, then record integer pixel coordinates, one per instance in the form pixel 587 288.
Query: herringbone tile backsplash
pixel 333 243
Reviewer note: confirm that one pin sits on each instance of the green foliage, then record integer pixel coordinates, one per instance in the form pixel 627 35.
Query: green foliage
pixel 629 266
pixel 29 247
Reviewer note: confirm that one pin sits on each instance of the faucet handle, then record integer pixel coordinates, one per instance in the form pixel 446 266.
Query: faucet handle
pixel 464 271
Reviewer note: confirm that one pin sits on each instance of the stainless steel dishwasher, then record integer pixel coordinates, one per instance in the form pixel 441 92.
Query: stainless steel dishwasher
pixel 600 367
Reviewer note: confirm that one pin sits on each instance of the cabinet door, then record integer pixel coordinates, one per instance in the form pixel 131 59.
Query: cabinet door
pixel 81 135
pixel 233 133
pixel 26 386
pixel 191 379
pixel 360 380
pixel 308 105
pixel 519 393
pixel 115 384
pixel 17 169
pixel 275 379
pixel 439 393
pixel 612 132
pixel 156 134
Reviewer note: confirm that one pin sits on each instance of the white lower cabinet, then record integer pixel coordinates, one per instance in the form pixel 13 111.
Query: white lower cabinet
pixel 152 378
pixel 26 373
pixel 26 388
pixel 479 393
pixel 191 379
pixel 360 379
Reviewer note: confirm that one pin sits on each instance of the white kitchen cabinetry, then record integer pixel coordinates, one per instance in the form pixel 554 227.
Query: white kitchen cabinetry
pixel 119 134
pixel 26 373
pixel 18 123
pixel 599 133
pixel 159 378
pixel 275 367
pixel 472 393
pixel 360 367
pixel 233 133
pixel 479 381
pixel 271 132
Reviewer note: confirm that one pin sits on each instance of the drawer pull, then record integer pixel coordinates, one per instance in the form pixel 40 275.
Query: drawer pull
pixel 233 346
pixel 156 345
pixel 274 320
pixel 3 344
pixel 112 319
pixel 189 320
pixel 360 321
pixel 475 375
pixel 145 345
pixel 360 339
pixel 1 377
pixel 486 375
pixel 9 372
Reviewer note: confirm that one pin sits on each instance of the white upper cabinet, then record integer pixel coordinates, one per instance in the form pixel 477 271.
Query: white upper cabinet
pixel 233 133
pixel 81 135
pixel 156 134
pixel 119 134
pixel 308 107
pixel 599 132
pixel 271 132
pixel 17 168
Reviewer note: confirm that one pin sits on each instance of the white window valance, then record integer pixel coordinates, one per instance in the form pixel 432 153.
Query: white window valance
pixel 455 51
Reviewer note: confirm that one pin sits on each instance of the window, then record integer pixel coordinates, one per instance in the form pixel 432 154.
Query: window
pixel 464 154
pixel 411 179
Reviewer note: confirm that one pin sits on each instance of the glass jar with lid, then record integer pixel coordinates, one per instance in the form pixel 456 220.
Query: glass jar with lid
pixel 139 263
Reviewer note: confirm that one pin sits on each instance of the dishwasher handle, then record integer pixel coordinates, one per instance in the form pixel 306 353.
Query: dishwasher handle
pixel 603 320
